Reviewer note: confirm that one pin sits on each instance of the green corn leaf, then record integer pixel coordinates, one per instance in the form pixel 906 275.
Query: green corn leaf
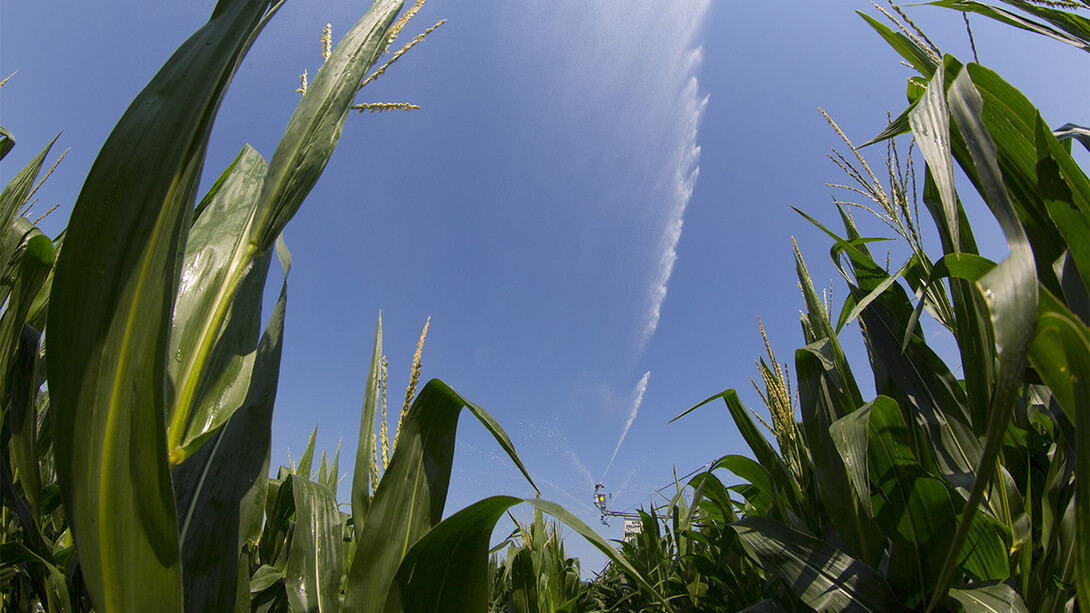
pixel 304 150
pixel 1070 28
pixel 49 578
pixel 1014 127
pixel 15 230
pixel 914 509
pixel 409 499
pixel 307 459
pixel 822 401
pixel 446 570
pixel 765 606
pixel 323 471
pixel 820 575
pixel 109 320
pixel 1065 190
pixel 15 192
pixel 7 141
pixel 1077 132
pixel 851 438
pixel 264 577
pixel 315 564
pixel 279 510
pixel 976 341
pixel 221 489
pixel 316 125
pixel 1010 290
pixel 361 477
pixel 19 381
pixel 754 474
pixel 22 418
pixel 30 272
pixel 333 479
pixel 1075 293
pixel 903 45
pixel 965 266
pixel 994 598
pixel 930 122
pixel 1061 356
pixel 761 448
pixel 823 329
pixel 986 552
pixel 211 381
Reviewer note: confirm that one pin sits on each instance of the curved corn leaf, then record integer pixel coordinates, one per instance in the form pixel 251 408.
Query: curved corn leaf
pixel 48 578
pixel 109 320
pixel 211 382
pixel 16 191
pixel 822 401
pixel 1010 290
pixel 903 45
pixel 851 437
pixel 1077 132
pixel 300 157
pixel 930 122
pixel 1070 28
pixel 754 474
pixel 994 598
pixel 14 229
pixel 820 575
pixel 221 489
pixel 759 445
pixel 7 141
pixel 315 126
pixel 409 499
pixel 447 569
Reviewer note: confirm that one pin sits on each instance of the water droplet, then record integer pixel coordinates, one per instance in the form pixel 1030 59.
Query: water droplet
pixel 178 355
pixel 989 294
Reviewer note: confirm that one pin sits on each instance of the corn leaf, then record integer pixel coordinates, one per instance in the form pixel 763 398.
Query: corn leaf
pixel 447 569
pixel 49 578
pixel 822 401
pixel 211 382
pixel 307 459
pixel 7 141
pixel 409 499
pixel 1010 290
pixel 15 230
pixel 315 126
pixel 361 477
pixel 914 509
pixel 820 575
pixel 109 320
pixel 1070 28
pixel 994 598
pixel 316 561
pixel 221 489
pixel 762 493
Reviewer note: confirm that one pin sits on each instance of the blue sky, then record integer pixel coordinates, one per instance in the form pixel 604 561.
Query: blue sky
pixel 592 205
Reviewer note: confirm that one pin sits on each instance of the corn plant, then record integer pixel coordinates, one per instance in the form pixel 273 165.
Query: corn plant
pixel 536 575
pixel 943 493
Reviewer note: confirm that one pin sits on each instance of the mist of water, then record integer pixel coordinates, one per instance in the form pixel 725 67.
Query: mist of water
pixel 641 387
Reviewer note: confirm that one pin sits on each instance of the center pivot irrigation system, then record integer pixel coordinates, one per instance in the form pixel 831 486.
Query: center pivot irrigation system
pixel 604 503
